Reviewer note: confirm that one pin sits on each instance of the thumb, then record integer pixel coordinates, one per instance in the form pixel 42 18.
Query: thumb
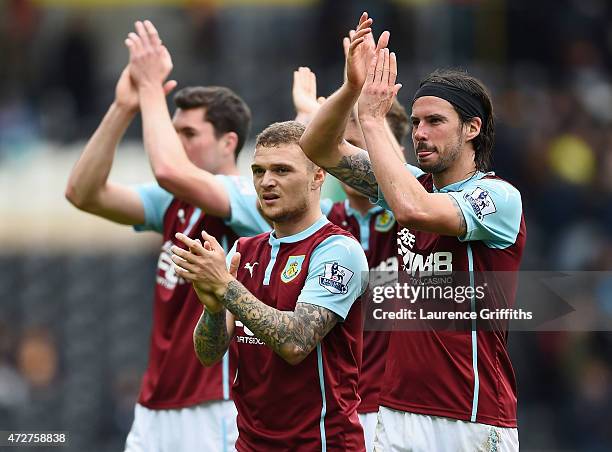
pixel 234 265
pixel 169 86
pixel 320 100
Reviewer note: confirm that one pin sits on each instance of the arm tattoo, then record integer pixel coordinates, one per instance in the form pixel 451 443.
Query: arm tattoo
pixel 210 337
pixel 462 224
pixel 356 171
pixel 298 331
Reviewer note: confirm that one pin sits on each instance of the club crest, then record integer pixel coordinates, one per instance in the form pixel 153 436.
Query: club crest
pixel 293 267
pixel 384 221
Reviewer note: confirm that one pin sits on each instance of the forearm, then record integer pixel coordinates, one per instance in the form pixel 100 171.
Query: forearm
pixel 325 132
pixel 210 337
pixel 282 331
pixel 90 174
pixel 161 141
pixel 403 192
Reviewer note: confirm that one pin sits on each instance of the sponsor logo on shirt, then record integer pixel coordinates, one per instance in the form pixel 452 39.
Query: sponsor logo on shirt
pixel 166 275
pixel 335 278
pixel 248 337
pixel 384 221
pixel 250 267
pixel 481 202
pixel 438 263
pixel 293 267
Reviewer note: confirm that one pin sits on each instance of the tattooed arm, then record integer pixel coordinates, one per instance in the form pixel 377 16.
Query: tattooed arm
pixel 292 335
pixel 211 336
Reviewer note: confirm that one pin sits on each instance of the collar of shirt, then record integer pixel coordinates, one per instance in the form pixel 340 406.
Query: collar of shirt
pixel 458 186
pixel 300 235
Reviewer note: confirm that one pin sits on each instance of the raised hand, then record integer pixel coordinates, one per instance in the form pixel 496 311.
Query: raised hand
pixel 361 50
pixel 380 88
pixel 304 95
pixel 150 61
pixel 126 93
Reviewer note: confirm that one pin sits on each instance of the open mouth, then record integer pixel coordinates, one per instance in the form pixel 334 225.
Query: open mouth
pixel 269 198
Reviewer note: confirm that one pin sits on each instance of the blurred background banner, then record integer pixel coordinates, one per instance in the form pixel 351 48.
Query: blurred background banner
pixel 76 290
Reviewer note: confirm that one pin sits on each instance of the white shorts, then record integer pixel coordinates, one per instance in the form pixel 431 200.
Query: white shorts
pixel 399 431
pixel 209 426
pixel 368 422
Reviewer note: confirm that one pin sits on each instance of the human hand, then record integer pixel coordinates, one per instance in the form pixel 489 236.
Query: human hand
pixel 203 265
pixel 361 50
pixel 380 88
pixel 304 93
pixel 150 61
pixel 126 92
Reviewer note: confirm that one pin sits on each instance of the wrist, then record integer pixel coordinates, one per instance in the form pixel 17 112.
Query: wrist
pixel 368 121
pixel 124 109
pixel 220 288
pixel 351 89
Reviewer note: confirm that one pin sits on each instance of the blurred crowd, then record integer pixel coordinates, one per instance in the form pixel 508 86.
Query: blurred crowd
pixel 548 64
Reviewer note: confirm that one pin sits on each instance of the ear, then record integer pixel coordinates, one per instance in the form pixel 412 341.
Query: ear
pixel 473 128
pixel 318 178
pixel 229 142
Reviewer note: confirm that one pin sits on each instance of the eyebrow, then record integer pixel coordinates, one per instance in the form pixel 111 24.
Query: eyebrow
pixel 430 117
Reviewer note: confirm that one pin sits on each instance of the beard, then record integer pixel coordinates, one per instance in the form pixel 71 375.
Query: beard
pixel 287 214
pixel 445 159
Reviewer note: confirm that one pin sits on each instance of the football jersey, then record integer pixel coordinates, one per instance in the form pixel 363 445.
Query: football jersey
pixel 312 405
pixel 466 374
pixel 174 377
pixel 376 231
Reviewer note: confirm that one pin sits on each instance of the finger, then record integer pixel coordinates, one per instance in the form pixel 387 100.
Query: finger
pixel 363 18
pixel 184 239
pixel 169 86
pixel 361 33
pixel 142 32
pixel 320 100
pixel 183 264
pixel 396 88
pixel 354 44
pixel 184 254
pixel 185 274
pixel 213 241
pixel 385 73
pixel 372 69
pixel 366 24
pixel 234 265
pixel 383 40
pixel 380 63
pixel 392 68
pixel 136 41
pixel 346 43
pixel 152 32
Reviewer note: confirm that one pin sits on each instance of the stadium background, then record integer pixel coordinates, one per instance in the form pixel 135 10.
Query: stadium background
pixel 75 290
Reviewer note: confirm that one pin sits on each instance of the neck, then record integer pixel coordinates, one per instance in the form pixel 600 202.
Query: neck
pixel 296 225
pixel 229 169
pixel 461 169
pixel 359 202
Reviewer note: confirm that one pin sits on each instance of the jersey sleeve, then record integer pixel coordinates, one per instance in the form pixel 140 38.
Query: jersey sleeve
pixel 415 171
pixel 155 201
pixel 244 218
pixel 492 210
pixel 337 275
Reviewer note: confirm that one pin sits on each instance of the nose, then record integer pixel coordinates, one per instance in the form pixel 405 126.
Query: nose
pixel 268 179
pixel 419 132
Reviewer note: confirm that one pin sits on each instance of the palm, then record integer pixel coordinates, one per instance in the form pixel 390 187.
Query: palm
pixel 357 63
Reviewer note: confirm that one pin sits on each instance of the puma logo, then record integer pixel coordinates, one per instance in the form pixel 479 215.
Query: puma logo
pixel 250 267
